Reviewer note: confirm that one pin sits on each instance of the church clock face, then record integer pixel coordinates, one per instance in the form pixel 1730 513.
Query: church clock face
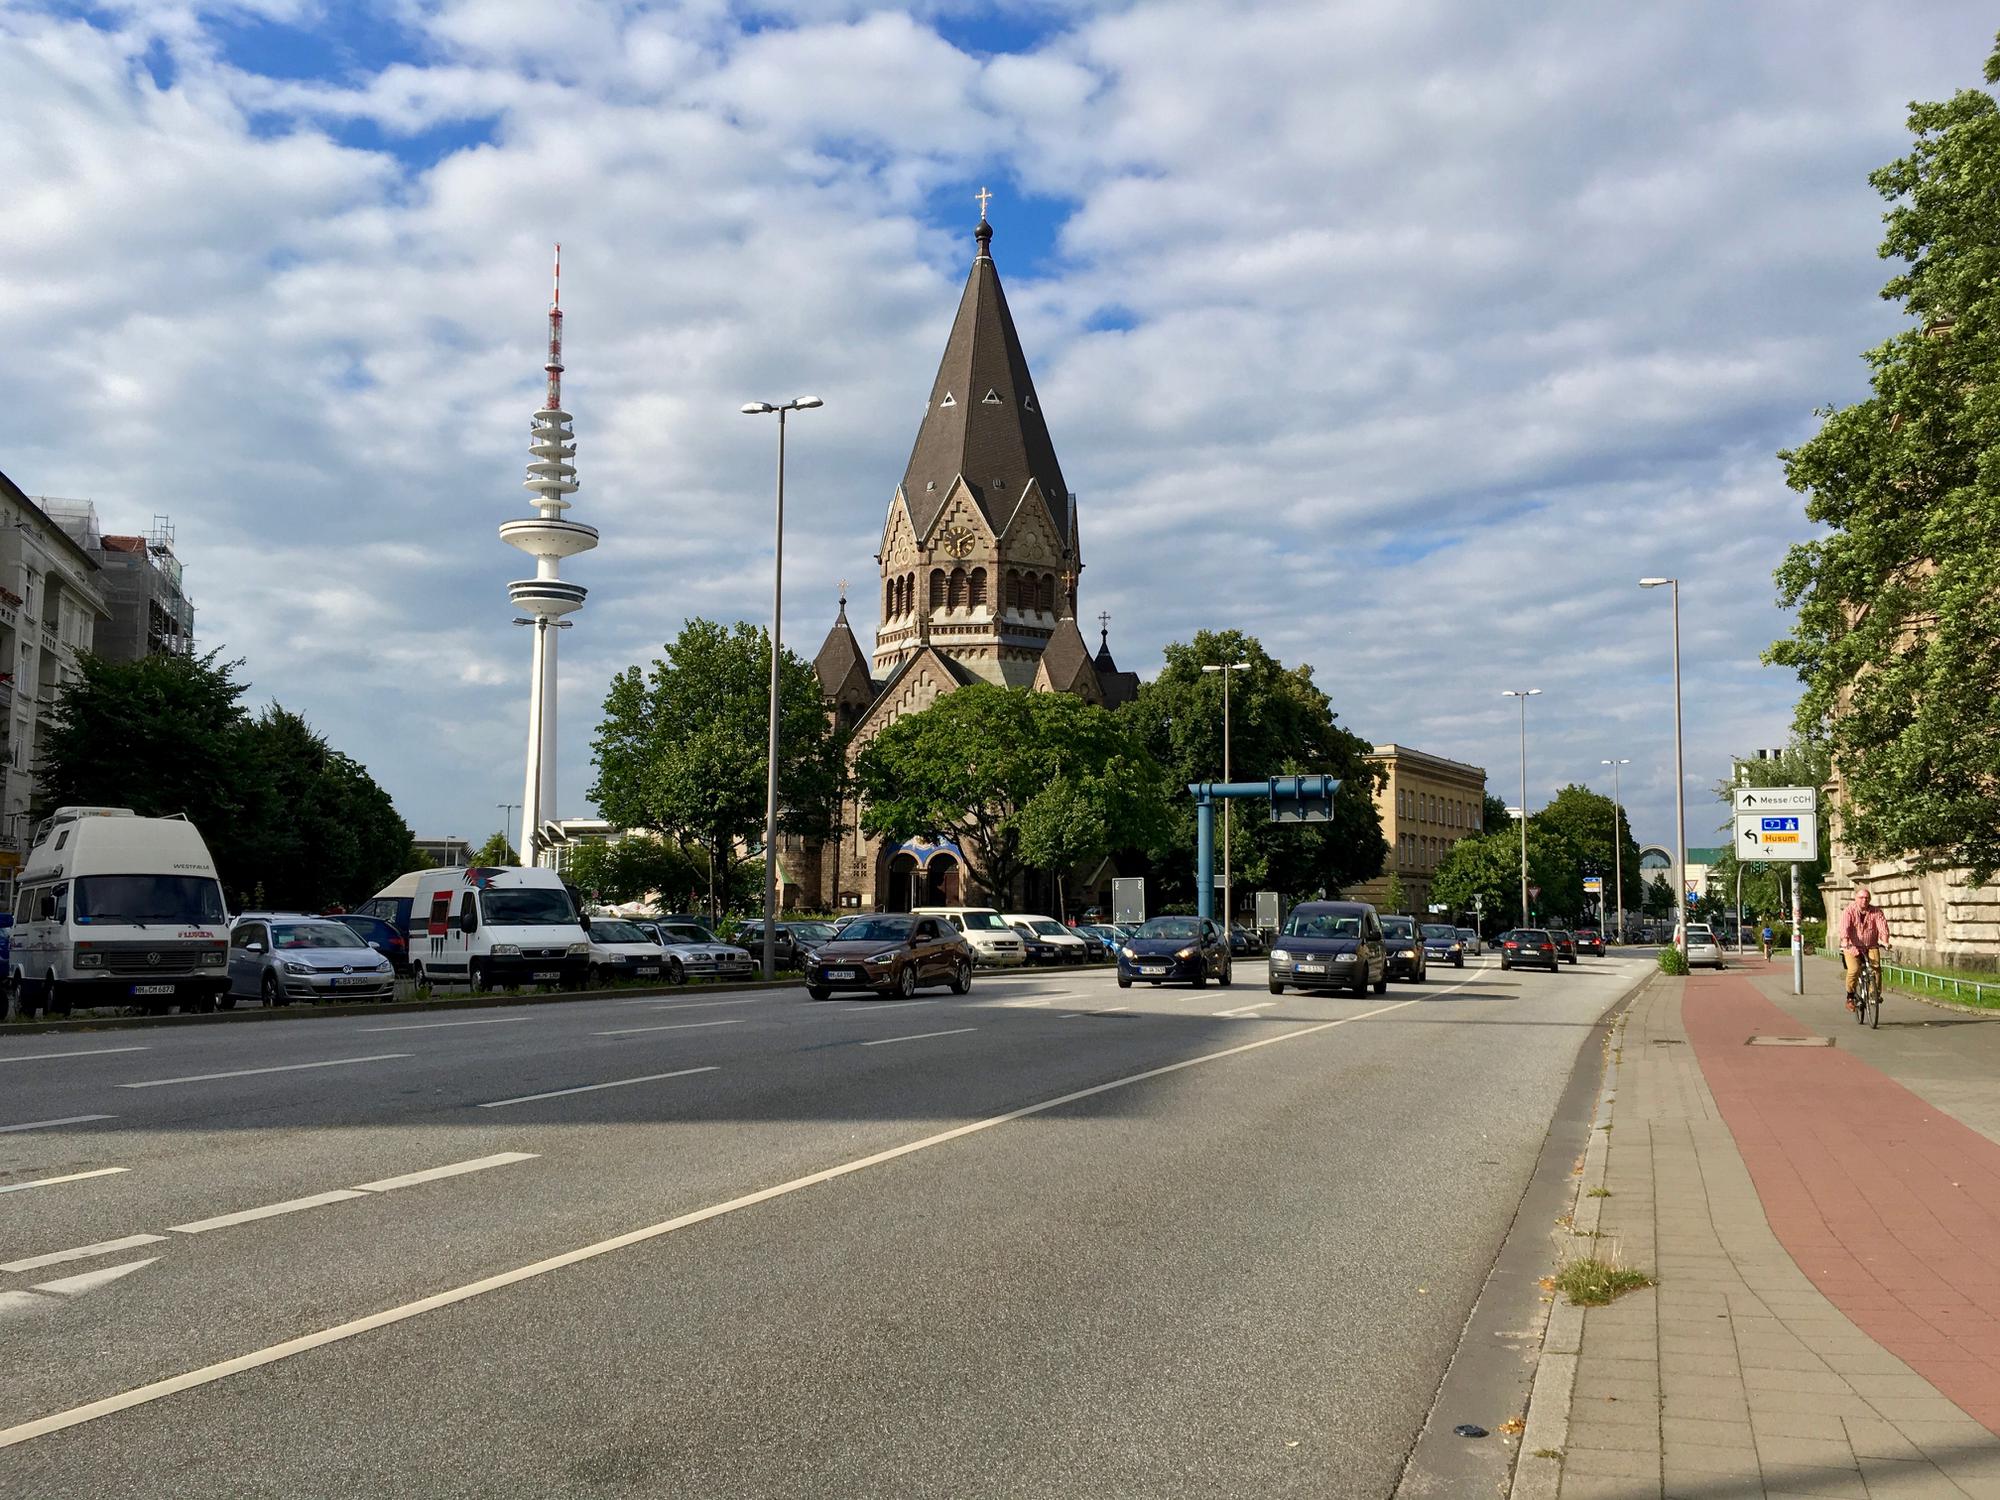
pixel 958 541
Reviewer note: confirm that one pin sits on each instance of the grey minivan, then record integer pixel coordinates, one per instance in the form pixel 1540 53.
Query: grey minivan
pixel 279 959
pixel 1330 945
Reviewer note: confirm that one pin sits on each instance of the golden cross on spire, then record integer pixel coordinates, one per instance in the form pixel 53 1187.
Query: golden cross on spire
pixel 843 590
pixel 1068 578
pixel 984 198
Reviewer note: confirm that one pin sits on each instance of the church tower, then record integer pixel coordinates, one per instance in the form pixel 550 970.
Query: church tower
pixel 979 554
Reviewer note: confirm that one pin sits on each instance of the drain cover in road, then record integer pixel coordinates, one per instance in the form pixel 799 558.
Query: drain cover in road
pixel 1791 1041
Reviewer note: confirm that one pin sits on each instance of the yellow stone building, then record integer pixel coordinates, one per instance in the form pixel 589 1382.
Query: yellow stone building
pixel 1428 803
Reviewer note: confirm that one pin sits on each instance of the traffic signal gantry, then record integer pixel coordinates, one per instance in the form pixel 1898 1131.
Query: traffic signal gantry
pixel 1293 799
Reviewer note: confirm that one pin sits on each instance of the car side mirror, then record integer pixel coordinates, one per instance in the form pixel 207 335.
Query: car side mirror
pixel 253 947
pixel 376 946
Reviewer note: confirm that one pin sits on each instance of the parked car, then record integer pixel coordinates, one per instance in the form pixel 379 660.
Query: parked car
pixel 282 958
pixel 1443 944
pixel 1470 938
pixel 1407 959
pixel 1565 942
pixel 1498 941
pixel 1192 949
pixel 1047 941
pixel 1106 939
pixel 488 925
pixel 993 941
pixel 622 950
pixel 1330 945
pixel 808 935
pixel 693 952
pixel 1590 940
pixel 749 936
pixel 1244 943
pixel 1529 947
pixel 378 933
pixel 892 954
pixel 1702 947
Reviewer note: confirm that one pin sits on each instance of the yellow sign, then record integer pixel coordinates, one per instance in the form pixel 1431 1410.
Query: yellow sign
pixel 1781 838
pixel 10 859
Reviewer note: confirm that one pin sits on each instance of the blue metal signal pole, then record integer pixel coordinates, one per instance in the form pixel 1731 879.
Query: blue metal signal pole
pixel 1294 799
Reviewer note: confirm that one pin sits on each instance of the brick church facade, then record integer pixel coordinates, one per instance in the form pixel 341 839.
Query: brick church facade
pixel 979 563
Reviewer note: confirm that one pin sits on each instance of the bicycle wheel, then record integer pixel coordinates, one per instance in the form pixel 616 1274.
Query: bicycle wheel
pixel 1874 1001
pixel 1861 987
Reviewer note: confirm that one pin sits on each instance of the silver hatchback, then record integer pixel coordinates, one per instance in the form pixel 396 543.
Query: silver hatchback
pixel 279 959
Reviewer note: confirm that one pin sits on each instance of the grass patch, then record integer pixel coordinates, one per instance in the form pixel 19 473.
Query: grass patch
pixel 1598 1193
pixel 1548 1453
pixel 1673 961
pixel 1596 1278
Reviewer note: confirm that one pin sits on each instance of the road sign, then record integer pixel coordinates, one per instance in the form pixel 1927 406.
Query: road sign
pixel 1593 885
pixel 1767 799
pixel 1534 891
pixel 1777 836
pixel 1267 911
pixel 1303 799
pixel 1128 899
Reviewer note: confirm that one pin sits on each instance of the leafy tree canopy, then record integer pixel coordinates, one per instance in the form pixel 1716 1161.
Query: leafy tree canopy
pixel 1767 888
pixel 495 851
pixel 1583 820
pixel 1897 638
pixel 634 868
pixel 1489 867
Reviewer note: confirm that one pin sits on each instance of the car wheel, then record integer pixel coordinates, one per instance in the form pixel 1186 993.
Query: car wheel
pixel 906 982
pixel 593 977
pixel 1360 986
pixel 273 992
pixel 1228 973
pixel 819 992
pixel 480 981
pixel 1382 984
pixel 1459 962
pixel 1124 983
pixel 676 972
pixel 225 1000
pixel 961 978
pixel 55 997
pixel 1201 978
pixel 1503 962
pixel 1277 988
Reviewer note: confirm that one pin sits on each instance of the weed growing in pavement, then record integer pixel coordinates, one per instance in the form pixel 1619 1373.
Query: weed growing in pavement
pixel 1599 1192
pixel 1673 961
pixel 1548 1453
pixel 1595 1278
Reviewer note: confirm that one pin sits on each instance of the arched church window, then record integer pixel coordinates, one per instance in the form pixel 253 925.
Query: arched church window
pixel 888 598
pixel 955 596
pixel 937 588
pixel 976 588
pixel 1048 599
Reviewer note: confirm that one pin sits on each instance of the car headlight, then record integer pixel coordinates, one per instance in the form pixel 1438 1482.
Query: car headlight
pixel 508 950
pixel 1409 953
pixel 1187 953
pixel 1280 956
pixel 90 960
pixel 576 950
pixel 213 959
pixel 292 966
pixel 1127 953
pixel 884 958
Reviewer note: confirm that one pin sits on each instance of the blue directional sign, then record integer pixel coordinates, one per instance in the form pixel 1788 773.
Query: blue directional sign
pixel 1780 825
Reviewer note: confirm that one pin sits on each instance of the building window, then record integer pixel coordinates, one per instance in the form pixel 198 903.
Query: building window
pixel 955 595
pixel 1048 591
pixel 976 588
pixel 937 588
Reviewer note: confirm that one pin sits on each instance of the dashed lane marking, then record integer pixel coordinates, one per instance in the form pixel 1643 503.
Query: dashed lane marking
pixel 674 1026
pixel 268 1211
pixel 591 1088
pixel 91 1052
pixel 332 1062
pixel 22 1187
pixel 456 1169
pixel 48 1124
pixel 82 1252
pixel 884 1041
pixel 439 1025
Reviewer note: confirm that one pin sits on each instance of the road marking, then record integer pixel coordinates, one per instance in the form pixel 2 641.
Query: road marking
pixel 268 1211
pixel 22 1187
pixel 1110 1010
pixel 591 1088
pixel 885 1006
pixel 883 1041
pixel 271 1354
pixel 93 1052
pixel 676 1026
pixel 83 1252
pixel 434 1025
pixel 65 1120
pixel 332 1062
pixel 695 1004
pixel 1241 1012
pixel 456 1169
pixel 90 1281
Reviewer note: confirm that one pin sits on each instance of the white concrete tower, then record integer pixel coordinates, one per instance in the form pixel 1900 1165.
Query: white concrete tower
pixel 544 599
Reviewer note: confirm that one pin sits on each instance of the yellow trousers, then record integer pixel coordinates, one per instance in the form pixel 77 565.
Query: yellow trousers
pixel 1853 962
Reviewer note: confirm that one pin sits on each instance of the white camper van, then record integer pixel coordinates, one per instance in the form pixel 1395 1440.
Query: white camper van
pixel 115 909
pixel 488 925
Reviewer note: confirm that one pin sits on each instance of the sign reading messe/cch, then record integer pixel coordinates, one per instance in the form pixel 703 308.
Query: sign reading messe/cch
pixel 1777 823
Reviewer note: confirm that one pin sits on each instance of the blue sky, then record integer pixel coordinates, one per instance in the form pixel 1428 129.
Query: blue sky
pixel 1404 336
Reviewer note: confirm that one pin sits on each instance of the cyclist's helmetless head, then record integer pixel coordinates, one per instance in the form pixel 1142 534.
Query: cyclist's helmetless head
pixel 1861 895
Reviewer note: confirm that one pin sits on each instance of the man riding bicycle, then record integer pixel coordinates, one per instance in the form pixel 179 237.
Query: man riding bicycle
pixel 1862 932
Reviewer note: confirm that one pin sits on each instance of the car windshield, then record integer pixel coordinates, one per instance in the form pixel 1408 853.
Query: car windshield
pixel 1323 924
pixel 289 935
pixel 1448 934
pixel 147 898
pixel 980 921
pixel 618 932
pixel 1049 927
pixel 528 906
pixel 876 930
pixel 687 932
pixel 813 932
pixel 1167 927
pixel 1398 927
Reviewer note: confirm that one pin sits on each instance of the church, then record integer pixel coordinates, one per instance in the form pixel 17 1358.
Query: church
pixel 980 559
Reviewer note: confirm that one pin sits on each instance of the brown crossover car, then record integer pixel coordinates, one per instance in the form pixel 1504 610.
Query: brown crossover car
pixel 891 954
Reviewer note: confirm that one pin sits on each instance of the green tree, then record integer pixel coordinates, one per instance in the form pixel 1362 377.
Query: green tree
pixel 1494 811
pixel 1394 897
pixel 1488 867
pixel 633 868
pixel 1017 779
pixel 331 834
pixel 495 851
pixel 1767 889
pixel 682 747
pixel 1282 723
pixel 1659 900
pixel 1583 820
pixel 1897 637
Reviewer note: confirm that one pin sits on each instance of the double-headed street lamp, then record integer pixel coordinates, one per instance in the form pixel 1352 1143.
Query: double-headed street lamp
pixel 1617 844
pixel 1680 776
pixel 1228 911
pixel 1524 694
pixel 754 409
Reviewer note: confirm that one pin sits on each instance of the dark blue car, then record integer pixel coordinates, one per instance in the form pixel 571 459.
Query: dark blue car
pixel 1330 945
pixel 1189 950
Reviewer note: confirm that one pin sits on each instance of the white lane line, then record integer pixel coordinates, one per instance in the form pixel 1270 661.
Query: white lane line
pixel 695 1004
pixel 268 1211
pixel 435 1025
pixel 456 1169
pixel 22 1187
pixel 1242 1012
pixel 82 1252
pixel 675 1026
pixel 884 1041
pixel 90 1281
pixel 93 1052
pixel 332 1062
pixel 886 1007
pixel 65 1120
pixel 271 1354
pixel 591 1088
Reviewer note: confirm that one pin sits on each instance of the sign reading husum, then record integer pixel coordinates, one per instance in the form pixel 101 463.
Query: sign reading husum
pixel 1776 823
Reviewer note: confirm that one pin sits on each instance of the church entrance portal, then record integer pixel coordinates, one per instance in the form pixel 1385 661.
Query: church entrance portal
pixel 907 884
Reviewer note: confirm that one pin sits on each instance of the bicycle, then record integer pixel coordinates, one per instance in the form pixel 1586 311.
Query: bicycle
pixel 1868 995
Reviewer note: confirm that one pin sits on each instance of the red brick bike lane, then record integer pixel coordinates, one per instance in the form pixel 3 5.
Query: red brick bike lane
pixel 1890 1206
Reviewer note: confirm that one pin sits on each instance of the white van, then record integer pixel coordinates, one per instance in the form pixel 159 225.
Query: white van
pixel 487 925
pixel 116 909
pixel 993 941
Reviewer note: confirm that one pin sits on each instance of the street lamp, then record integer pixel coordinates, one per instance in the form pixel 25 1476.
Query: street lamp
pixel 1228 911
pixel 1680 776
pixel 507 811
pixel 1617 843
pixel 1524 694
pixel 754 409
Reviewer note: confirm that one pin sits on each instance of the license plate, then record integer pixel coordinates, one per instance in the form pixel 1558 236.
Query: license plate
pixel 1153 968
pixel 152 989
pixel 551 977
pixel 649 970
pixel 839 973
pixel 1312 968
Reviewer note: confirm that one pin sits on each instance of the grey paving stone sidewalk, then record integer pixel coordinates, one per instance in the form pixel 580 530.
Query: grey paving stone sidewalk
pixel 1734 1378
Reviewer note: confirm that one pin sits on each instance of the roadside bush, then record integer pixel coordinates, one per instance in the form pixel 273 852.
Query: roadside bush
pixel 1673 961
pixel 1815 930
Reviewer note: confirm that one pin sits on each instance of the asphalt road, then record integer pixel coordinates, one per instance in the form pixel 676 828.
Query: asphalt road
pixel 1051 1239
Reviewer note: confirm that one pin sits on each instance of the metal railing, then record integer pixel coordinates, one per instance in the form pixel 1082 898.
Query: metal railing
pixel 1924 982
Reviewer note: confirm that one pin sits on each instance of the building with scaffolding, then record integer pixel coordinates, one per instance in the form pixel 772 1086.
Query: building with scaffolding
pixel 141 580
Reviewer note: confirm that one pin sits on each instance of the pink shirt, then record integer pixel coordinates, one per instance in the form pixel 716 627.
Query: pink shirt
pixel 1862 928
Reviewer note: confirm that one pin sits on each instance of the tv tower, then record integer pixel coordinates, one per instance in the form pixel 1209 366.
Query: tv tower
pixel 544 599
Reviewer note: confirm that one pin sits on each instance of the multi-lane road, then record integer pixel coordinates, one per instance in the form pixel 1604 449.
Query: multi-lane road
pixel 1050 1239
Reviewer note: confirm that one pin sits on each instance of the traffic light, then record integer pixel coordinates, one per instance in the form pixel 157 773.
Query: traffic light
pixel 1303 799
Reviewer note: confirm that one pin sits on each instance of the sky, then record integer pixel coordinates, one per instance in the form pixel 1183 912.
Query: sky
pixel 1404 335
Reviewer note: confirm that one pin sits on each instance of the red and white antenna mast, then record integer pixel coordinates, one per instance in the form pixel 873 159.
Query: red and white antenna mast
pixel 555 364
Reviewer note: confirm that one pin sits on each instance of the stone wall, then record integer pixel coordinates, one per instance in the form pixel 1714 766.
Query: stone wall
pixel 1935 920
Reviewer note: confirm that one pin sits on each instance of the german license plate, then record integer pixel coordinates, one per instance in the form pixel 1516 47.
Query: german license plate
pixel 551 976
pixel 839 973
pixel 152 989
pixel 649 971
pixel 1312 968
pixel 1153 968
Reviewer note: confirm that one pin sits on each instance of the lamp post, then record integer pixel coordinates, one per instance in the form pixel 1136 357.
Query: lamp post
pixel 1228 911
pixel 1680 776
pixel 1618 842
pixel 507 811
pixel 759 408
pixel 1524 694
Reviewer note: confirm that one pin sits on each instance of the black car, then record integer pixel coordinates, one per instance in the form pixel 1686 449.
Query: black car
pixel 1330 945
pixel 1178 948
pixel 1497 942
pixel 784 946
pixel 1406 948
pixel 1529 947
pixel 1243 943
pixel 380 934
pixel 1443 944
pixel 1590 940
pixel 1565 942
